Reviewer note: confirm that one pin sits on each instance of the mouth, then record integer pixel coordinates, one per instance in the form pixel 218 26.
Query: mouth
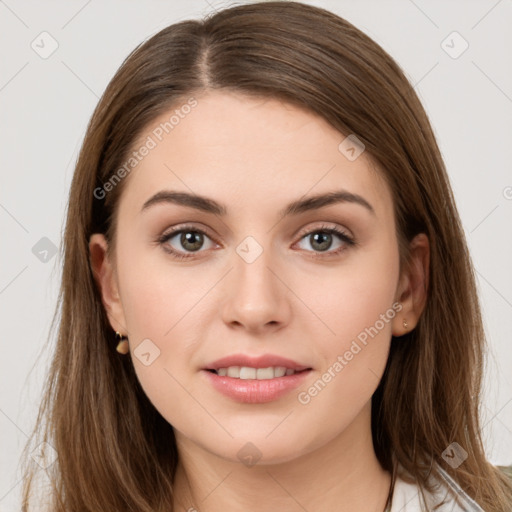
pixel 255 379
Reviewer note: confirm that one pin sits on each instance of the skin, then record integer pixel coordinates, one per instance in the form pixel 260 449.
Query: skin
pixel 256 156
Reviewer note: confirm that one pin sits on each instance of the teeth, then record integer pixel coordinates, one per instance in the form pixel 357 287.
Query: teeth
pixel 234 371
pixel 265 373
pixel 280 371
pixel 246 372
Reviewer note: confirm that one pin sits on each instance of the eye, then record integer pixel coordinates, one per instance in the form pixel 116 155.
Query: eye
pixel 183 241
pixel 321 240
pixel 188 239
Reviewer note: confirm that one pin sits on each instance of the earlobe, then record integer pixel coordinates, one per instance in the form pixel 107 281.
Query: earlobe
pixel 106 281
pixel 412 291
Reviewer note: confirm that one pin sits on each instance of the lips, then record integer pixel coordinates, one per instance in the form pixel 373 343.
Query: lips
pixel 255 379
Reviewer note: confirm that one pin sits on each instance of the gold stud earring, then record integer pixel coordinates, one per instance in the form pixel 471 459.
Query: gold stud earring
pixel 405 324
pixel 122 345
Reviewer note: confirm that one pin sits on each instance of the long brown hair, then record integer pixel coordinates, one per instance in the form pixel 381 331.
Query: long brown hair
pixel 115 451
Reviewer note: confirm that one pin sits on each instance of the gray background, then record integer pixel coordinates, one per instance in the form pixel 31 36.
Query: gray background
pixel 45 104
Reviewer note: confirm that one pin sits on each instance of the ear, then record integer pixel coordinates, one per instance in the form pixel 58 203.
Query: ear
pixel 413 286
pixel 106 280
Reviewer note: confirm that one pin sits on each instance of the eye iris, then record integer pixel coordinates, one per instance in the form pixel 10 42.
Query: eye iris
pixel 324 239
pixel 191 237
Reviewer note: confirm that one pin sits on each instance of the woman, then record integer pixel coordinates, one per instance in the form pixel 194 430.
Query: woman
pixel 260 217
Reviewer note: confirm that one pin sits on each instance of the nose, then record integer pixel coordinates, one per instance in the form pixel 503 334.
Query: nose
pixel 257 299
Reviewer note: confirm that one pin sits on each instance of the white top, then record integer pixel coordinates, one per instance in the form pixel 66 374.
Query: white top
pixel 407 497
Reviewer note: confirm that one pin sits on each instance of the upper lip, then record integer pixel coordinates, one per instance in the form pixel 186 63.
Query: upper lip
pixel 263 361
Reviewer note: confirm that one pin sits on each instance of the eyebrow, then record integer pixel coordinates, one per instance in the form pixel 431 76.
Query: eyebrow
pixel 209 205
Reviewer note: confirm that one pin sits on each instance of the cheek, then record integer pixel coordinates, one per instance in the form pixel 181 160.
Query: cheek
pixel 354 356
pixel 158 303
pixel 357 306
pixel 353 297
pixel 156 293
pixel 167 311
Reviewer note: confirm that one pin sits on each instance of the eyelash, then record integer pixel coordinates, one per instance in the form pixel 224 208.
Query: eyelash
pixel 346 239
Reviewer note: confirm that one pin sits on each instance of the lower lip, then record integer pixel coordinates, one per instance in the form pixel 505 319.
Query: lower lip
pixel 254 391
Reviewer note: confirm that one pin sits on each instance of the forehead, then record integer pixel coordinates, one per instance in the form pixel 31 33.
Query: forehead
pixel 248 152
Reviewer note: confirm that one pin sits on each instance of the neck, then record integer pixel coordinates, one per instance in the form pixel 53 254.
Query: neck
pixel 342 475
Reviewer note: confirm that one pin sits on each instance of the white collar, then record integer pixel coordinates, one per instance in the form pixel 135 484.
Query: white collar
pixel 407 497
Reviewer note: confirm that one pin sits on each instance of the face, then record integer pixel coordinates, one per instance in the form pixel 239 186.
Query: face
pixel 312 290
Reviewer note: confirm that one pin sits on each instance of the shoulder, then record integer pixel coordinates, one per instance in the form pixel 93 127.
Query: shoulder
pixel 407 497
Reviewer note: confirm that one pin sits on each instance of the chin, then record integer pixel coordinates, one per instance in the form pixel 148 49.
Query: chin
pixel 261 448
